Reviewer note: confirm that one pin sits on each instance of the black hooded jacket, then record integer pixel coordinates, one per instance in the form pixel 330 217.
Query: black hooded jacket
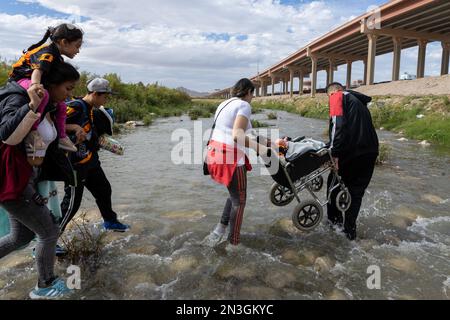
pixel 14 106
pixel 352 133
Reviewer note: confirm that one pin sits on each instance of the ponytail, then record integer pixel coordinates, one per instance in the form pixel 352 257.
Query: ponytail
pixel 47 36
pixel 66 31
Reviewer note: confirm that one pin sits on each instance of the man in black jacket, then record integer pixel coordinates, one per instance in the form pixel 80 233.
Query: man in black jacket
pixel 354 147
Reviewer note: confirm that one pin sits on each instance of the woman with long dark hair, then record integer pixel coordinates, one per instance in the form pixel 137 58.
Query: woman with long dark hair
pixel 19 163
pixel 227 161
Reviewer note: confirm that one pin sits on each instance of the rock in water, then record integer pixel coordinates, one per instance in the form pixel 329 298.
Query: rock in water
pixel 279 279
pixel 404 217
pixel 433 198
pixel 228 271
pixel 291 257
pixel 404 264
pixel 336 295
pixel 284 228
pixel 183 264
pixel 323 264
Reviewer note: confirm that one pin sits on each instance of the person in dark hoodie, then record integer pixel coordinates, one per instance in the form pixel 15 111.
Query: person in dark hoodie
pixel 28 214
pixel 354 147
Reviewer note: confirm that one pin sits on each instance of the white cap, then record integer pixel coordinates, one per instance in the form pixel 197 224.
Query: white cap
pixel 99 85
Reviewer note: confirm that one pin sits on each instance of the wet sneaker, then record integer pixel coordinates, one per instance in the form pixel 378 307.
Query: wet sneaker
pixel 67 144
pixel 215 237
pixel 59 251
pixel 115 226
pixel 57 290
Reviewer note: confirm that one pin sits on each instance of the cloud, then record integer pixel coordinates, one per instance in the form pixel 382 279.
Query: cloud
pixel 199 44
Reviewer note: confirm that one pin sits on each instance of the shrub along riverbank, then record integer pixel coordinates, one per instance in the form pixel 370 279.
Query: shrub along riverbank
pixel 131 101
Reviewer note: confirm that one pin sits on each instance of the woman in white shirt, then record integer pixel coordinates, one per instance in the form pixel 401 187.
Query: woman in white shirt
pixel 227 162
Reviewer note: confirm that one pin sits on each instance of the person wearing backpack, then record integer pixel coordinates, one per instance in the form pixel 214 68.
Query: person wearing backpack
pixel 80 120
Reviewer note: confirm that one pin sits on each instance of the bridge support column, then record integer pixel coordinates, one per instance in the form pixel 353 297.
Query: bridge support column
pixel 300 82
pixel 291 79
pixel 421 59
pixel 370 79
pixel 445 58
pixel 397 58
pixel 330 72
pixel 273 86
pixel 348 82
pixel 314 76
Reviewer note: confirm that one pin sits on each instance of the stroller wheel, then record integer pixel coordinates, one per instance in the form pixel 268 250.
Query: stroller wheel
pixel 343 200
pixel 317 184
pixel 280 196
pixel 307 215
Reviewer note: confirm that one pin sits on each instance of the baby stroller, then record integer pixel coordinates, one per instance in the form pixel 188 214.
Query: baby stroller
pixel 305 171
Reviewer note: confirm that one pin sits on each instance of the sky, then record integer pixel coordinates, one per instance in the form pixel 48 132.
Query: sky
pixel 202 45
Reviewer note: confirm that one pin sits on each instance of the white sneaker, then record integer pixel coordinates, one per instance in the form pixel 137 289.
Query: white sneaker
pixel 216 235
pixel 67 145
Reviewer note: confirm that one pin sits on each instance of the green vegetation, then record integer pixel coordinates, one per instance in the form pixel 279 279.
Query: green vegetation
pixel 132 101
pixel 272 116
pixel 422 118
pixel 4 70
pixel 139 101
pixel 259 124
pixel 385 151
pixel 84 244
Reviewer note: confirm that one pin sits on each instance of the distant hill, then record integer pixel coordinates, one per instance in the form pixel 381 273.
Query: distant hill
pixel 192 93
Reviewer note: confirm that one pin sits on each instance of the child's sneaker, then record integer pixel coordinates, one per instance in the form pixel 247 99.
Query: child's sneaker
pixel 56 290
pixel 67 144
pixel 116 226
pixel 34 142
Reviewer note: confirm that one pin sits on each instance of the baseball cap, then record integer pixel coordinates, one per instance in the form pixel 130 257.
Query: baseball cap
pixel 99 85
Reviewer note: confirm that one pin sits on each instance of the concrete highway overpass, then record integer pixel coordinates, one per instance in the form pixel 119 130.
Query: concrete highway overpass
pixel 397 25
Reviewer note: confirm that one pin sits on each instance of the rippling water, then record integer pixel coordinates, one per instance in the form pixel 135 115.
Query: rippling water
pixel 404 228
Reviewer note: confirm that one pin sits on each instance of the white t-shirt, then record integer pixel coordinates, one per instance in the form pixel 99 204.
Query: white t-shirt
pixel 223 132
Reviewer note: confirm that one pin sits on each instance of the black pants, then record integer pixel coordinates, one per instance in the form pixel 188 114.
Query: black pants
pixel 95 181
pixel 356 174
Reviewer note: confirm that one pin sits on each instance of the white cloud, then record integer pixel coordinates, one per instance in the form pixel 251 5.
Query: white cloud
pixel 165 40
